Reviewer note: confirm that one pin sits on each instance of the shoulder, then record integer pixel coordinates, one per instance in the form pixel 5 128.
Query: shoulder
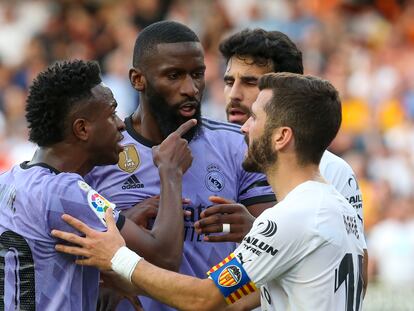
pixel 64 185
pixel 223 136
pixel 210 125
pixel 330 161
pixel 310 199
pixel 335 169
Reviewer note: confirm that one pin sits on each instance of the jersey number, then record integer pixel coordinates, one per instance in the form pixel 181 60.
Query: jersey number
pixel 345 274
pixel 24 275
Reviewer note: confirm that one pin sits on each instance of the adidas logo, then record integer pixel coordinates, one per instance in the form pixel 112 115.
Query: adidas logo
pixel 132 183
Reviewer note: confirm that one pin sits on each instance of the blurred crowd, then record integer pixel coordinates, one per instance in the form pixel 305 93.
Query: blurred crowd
pixel 364 47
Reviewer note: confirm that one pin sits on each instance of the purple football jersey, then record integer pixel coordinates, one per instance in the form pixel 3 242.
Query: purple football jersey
pixel 218 151
pixel 33 276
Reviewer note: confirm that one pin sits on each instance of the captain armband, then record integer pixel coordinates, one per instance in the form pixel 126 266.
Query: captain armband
pixel 231 279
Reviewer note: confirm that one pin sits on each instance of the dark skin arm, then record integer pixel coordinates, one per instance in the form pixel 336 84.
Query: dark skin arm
pixel 365 271
pixel 141 213
pixel 163 244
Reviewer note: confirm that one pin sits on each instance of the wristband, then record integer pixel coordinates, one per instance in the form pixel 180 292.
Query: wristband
pixel 124 262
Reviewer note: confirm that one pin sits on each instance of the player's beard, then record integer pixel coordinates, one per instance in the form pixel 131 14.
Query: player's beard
pixel 168 116
pixel 260 155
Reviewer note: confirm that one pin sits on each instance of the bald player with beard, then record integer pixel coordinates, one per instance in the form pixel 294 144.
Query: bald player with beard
pixel 168 71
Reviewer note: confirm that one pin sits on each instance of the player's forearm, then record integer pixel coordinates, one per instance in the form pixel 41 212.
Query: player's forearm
pixel 365 271
pixel 177 290
pixel 247 303
pixel 168 229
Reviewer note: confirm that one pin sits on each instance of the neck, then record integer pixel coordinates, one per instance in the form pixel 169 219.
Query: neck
pixel 64 157
pixel 145 124
pixel 283 178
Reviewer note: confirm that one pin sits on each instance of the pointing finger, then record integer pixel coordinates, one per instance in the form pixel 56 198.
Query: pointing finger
pixel 219 200
pixel 110 220
pixel 185 127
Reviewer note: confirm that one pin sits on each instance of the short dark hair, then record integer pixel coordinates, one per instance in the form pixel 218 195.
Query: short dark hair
pixel 262 46
pixel 53 94
pixel 157 33
pixel 308 105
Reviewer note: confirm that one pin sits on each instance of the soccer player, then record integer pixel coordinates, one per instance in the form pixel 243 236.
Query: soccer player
pixel 168 71
pixel 249 54
pixel 72 118
pixel 305 253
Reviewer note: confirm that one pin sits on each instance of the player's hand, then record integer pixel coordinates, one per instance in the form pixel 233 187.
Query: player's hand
pixel 224 212
pixel 108 299
pixel 96 247
pixel 144 212
pixel 174 152
pixel 113 288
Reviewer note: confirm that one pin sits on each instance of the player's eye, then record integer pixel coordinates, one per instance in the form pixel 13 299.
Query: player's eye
pixel 173 75
pixel 228 82
pixel 198 74
pixel 251 82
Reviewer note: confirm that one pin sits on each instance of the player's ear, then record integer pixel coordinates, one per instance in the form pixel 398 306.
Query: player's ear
pixel 282 137
pixel 137 79
pixel 81 129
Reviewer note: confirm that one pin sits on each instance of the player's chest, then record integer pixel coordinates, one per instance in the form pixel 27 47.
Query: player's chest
pixel 211 173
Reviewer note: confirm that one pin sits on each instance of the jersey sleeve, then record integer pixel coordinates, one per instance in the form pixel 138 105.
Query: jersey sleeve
pixel 274 245
pixel 343 178
pixel 75 197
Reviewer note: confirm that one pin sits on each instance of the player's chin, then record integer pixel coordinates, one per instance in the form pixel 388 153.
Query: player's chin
pixel 119 148
pixel 250 165
pixel 113 158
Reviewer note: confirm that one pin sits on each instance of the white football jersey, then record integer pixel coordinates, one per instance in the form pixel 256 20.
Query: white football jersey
pixel 340 174
pixel 305 253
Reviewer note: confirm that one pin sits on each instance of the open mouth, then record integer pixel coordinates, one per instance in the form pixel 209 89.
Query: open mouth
pixel 237 115
pixel 188 110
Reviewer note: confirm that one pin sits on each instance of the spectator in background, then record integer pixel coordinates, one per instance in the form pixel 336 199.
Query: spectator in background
pixel 391 245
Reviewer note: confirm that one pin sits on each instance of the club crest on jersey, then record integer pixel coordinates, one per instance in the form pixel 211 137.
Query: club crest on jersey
pixel 230 276
pixel 98 202
pixel 214 179
pixel 129 159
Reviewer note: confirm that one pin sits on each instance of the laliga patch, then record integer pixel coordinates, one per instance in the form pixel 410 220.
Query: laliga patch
pixel 99 205
pixel 129 159
pixel 214 179
pixel 231 279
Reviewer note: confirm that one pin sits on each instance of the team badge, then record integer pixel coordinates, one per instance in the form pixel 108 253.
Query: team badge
pixel 230 276
pixel 129 159
pixel 98 202
pixel 84 186
pixel 231 279
pixel 99 205
pixel 214 179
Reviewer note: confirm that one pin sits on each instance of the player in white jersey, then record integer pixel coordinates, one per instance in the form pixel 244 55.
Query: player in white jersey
pixel 305 253
pixel 297 268
pixel 249 54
